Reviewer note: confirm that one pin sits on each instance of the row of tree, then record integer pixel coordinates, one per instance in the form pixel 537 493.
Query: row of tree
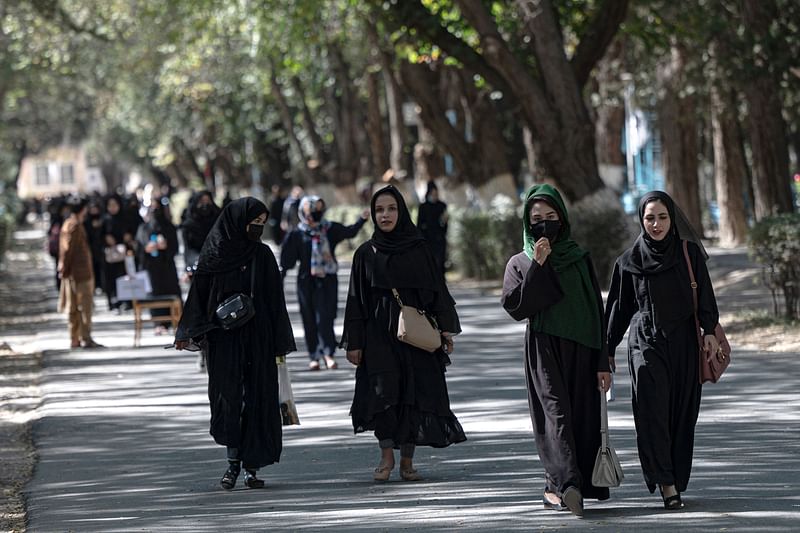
pixel 209 91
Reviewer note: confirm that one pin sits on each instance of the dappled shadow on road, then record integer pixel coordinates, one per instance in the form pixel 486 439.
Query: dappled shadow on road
pixel 124 446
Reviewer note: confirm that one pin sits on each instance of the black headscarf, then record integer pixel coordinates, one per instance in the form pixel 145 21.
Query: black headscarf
pixel 198 221
pixel 227 246
pixel 402 259
pixel 648 256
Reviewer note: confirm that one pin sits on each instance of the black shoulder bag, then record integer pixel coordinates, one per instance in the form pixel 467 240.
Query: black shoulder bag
pixel 238 309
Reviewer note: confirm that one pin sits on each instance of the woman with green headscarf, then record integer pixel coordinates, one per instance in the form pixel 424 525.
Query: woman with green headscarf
pixel 552 285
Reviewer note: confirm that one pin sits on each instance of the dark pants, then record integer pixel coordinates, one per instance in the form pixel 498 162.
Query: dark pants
pixel 318 301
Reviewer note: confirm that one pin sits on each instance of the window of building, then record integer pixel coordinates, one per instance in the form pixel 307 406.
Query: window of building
pixel 42 175
pixel 67 174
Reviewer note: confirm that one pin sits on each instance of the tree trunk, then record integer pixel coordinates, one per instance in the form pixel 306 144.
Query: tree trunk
pixel 342 99
pixel 379 160
pixel 287 120
pixel 729 167
pixel 678 127
pixel 767 129
pixel 317 146
pixel 563 133
pixel 394 103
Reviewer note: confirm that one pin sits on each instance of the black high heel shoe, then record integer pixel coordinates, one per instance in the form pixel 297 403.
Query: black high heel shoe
pixel 673 503
pixel 251 481
pixel 230 476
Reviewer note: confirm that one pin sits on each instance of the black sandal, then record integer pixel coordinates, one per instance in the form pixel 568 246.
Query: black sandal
pixel 228 480
pixel 673 503
pixel 251 481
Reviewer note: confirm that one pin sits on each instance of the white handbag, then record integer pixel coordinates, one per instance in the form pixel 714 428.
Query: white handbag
pixel 607 471
pixel 416 327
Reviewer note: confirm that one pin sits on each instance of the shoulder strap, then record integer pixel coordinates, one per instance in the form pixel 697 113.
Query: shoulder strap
pixel 694 291
pixel 253 276
pixel 397 297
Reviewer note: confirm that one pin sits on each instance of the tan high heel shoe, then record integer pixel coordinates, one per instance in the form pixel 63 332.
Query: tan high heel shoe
pixel 382 472
pixel 410 474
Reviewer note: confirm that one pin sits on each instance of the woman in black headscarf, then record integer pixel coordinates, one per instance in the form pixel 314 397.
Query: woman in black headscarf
pixel 156 247
pixel 118 230
pixel 400 390
pixel 201 214
pixel 242 374
pixel 432 222
pixel 651 292
pixel 552 285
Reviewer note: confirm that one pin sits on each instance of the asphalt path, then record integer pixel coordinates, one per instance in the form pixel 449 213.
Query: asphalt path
pixel 123 445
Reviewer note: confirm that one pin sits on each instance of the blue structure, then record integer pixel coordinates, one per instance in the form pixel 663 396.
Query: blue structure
pixel 642 148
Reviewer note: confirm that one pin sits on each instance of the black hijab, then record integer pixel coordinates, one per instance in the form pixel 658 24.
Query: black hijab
pixel 648 256
pixel 227 246
pixel 197 219
pixel 402 257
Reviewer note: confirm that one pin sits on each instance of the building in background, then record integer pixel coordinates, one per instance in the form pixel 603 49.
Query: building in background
pixel 59 170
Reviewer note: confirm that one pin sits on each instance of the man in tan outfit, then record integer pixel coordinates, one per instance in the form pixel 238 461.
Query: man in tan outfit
pixel 77 277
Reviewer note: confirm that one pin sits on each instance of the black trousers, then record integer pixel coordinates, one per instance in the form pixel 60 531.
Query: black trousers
pixel 318 301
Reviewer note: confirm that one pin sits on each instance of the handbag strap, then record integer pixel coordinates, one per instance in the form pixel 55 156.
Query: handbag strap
pixel 603 420
pixel 694 292
pixel 253 277
pixel 397 297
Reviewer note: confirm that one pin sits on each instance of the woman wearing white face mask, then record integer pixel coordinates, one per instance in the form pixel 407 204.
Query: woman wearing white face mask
pixel 242 373
pixel 313 243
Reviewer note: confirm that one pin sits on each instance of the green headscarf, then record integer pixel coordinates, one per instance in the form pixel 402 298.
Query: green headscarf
pixel 577 315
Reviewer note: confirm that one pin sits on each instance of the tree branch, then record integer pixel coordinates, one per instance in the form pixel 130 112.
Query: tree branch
pixel 598 36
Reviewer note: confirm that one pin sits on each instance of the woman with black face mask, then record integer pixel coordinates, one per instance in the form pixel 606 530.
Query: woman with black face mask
pixel 552 285
pixel 156 247
pixel 313 243
pixel 242 373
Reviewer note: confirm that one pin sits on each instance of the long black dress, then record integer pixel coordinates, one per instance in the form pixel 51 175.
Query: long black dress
pixel 242 374
pixel 160 266
pixel 400 390
pixel 561 377
pixel 663 360
pixel 432 223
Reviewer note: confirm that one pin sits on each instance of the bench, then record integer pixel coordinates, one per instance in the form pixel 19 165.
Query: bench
pixel 170 303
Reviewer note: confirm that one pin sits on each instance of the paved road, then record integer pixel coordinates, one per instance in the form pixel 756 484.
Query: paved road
pixel 123 445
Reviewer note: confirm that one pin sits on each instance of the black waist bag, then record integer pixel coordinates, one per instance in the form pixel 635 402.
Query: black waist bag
pixel 237 310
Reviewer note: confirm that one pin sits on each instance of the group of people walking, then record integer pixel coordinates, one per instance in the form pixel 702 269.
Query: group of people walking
pixel 400 391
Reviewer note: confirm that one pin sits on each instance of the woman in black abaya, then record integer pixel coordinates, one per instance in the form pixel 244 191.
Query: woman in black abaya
pixel 552 285
pixel 156 246
pixel 242 374
pixel 651 292
pixel 400 390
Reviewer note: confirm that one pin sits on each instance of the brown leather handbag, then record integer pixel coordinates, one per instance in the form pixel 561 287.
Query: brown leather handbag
pixel 416 327
pixel 711 365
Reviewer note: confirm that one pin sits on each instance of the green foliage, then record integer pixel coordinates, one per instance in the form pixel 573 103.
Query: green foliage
pixel 9 207
pixel 775 243
pixel 482 241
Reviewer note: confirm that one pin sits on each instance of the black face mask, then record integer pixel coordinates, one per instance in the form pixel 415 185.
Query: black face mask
pixel 316 216
pixel 546 228
pixel 255 231
pixel 204 209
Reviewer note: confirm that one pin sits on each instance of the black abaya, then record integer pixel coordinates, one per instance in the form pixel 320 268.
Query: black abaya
pixel 663 360
pixel 400 390
pixel 561 378
pixel 242 374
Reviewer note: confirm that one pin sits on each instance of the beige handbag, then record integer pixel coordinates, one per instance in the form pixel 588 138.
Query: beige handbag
pixel 607 471
pixel 416 327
